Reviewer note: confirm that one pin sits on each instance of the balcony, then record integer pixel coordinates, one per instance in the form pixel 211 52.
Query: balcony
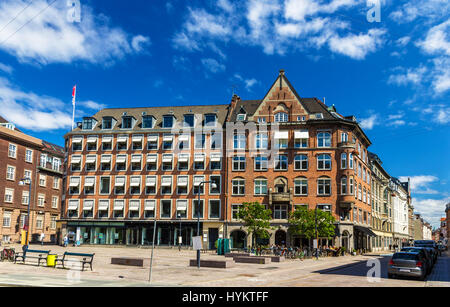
pixel 347 144
pixel 50 168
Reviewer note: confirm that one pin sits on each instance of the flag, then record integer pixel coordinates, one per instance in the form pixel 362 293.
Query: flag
pixel 74 93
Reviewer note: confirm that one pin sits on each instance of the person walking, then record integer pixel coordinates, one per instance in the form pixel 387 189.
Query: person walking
pixel 66 240
pixel 42 238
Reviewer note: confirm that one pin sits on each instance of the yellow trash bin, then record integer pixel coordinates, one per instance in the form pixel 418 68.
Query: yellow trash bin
pixel 51 260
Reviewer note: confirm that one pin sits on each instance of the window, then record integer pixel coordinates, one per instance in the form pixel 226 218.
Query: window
pixel 147 121
pixel 168 121
pixel 261 163
pixel 344 185
pixel 214 209
pixel 301 138
pixel 77 143
pixel 344 137
pixel 238 186
pixel 39 221
pixel 89 185
pixel 324 186
pixel 107 142
pixel 105 162
pixel 25 197
pixel 280 212
pixel 152 162
pixel 215 180
pixel 301 186
pixel 119 185
pixel 91 143
pixel 350 161
pixel 197 187
pixel 121 162
pixel 107 123
pixel 119 205
pixel 152 142
pixel 197 208
pixel 27 174
pixel 9 195
pixel 88 123
pixel 281 139
pixel 42 180
pixel 43 160
pixel 166 208
pixel 189 120
pixel 183 162
pixel 182 207
pixel 136 162
pixel 183 141
pixel 74 185
pixel 150 185
pixel 239 141
pixel 216 140
pixel 301 162
pixel 134 208
pixel 215 161
pixel 149 208
pixel 91 163
pixel 200 141
pixel 324 139
pixel 324 162
pixel 239 163
pixel 10 172
pixel 234 211
pixel 241 117
pixel 281 117
pixel 41 200
pixel 261 141
pixel 72 208
pixel 324 207
pixel 105 185
pixel 55 200
pixel 103 208
pixel 199 162
pixel 343 160
pixel 166 185
pixel 260 186
pixel 56 164
pixel 53 222
pixel 182 185
pixel 210 120
pixel 167 142
pixel 135 185
pixel 127 122
pixel 88 208
pixel 359 192
pixel 122 142
pixel 136 142
pixel 29 156
pixel 281 163
pixel 12 151
pixel 261 120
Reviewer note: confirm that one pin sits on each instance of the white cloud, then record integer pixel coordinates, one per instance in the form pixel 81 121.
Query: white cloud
pixel 51 38
pixel 357 46
pixel 226 5
pixel 212 65
pixel 403 41
pixel 6 68
pixel 431 209
pixel 420 184
pixel 411 75
pixel 369 123
pixel 91 105
pixel 437 39
pixel 413 9
pixel 139 41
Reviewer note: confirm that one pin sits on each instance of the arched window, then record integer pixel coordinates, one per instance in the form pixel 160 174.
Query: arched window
pixel 301 186
pixel 343 160
pixel 324 139
pixel 350 161
pixel 281 117
pixel 281 162
pixel 238 186
pixel 324 162
pixel 344 185
pixel 301 162
pixel 351 186
pixel 260 186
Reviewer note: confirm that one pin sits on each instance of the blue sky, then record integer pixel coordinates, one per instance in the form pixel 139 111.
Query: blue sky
pixel 393 75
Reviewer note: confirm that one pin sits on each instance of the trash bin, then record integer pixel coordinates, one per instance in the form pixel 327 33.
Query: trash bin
pixel 51 260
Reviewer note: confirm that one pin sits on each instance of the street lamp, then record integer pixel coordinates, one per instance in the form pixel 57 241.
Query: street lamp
pixel 317 234
pixel 213 185
pixel 25 181
pixel 179 236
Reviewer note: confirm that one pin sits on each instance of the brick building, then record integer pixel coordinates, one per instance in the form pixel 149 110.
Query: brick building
pixel 24 156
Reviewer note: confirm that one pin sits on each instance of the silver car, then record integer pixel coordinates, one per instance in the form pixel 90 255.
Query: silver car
pixel 408 264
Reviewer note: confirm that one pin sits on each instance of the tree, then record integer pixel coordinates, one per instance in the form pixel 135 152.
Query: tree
pixel 303 222
pixel 256 218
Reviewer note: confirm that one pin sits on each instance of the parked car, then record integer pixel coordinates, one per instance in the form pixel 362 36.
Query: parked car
pixel 428 244
pixel 425 253
pixel 407 264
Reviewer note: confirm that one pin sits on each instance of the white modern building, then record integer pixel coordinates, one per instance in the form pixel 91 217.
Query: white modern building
pixel 400 216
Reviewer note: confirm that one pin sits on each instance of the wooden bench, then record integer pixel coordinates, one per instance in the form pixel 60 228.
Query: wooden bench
pixel 222 264
pixel 252 259
pixel 86 259
pixel 42 255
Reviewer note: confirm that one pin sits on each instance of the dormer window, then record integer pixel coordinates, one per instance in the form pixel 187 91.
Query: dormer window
pixel 88 123
pixel 107 123
pixel 241 117
pixel 281 117
pixel 127 122
pixel 210 120
pixel 168 121
pixel 189 120
pixel 147 121
pixel 319 116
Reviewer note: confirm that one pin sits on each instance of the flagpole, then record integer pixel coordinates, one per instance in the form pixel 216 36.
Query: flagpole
pixel 74 93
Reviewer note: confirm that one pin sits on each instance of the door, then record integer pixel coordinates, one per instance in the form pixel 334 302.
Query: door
pixel 213 235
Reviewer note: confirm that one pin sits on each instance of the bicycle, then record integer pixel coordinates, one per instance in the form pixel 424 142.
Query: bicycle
pixel 8 254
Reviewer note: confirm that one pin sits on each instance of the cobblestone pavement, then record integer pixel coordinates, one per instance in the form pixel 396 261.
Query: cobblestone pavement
pixel 170 268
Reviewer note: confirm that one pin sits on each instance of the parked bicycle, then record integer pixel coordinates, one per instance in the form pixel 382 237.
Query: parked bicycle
pixel 8 254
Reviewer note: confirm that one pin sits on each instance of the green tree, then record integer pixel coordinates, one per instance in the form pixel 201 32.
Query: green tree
pixel 256 218
pixel 303 222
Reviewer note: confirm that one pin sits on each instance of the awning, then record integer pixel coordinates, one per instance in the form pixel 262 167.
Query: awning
pixel 77 139
pixel 183 138
pixel 281 135
pixel 168 138
pixel 133 205
pixel 198 180
pixel 167 158
pixel 152 138
pixel 106 139
pixel 103 205
pixel 135 181
pixel 76 160
pixel 92 139
pixel 118 205
pixel 89 182
pixel 215 157
pixel 91 159
pixel 73 205
pixel 149 205
pixel 121 159
pixel 74 182
pixel 182 181
pixel 150 181
pixel 302 134
pixel 183 158
pixel 137 138
pixel 199 157
pixel 365 230
pixel 105 159
pixel 166 182
pixel 120 182
pixel 151 158
pixel 182 205
pixel 88 205
pixel 122 139
pixel 136 158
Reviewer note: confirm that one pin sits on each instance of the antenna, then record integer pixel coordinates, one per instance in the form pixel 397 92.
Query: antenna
pixel 324 101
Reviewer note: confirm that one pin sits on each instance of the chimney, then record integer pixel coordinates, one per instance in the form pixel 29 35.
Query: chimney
pixel 234 101
pixel 282 72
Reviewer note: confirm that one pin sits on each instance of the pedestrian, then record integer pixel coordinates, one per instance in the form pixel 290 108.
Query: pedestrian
pixel 66 240
pixel 42 238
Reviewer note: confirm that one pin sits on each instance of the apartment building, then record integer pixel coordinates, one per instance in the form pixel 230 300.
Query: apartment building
pixel 128 166
pixel 400 213
pixel 286 151
pixel 24 156
pixel 381 205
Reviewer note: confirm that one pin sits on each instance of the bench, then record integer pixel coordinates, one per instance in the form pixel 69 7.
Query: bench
pixel 141 262
pixel 42 255
pixel 237 255
pixel 222 264
pixel 86 259
pixel 252 259
pixel 275 258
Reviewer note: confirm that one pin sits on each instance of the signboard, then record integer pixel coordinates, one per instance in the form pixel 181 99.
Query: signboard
pixel 180 239
pixel 315 243
pixel 197 243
